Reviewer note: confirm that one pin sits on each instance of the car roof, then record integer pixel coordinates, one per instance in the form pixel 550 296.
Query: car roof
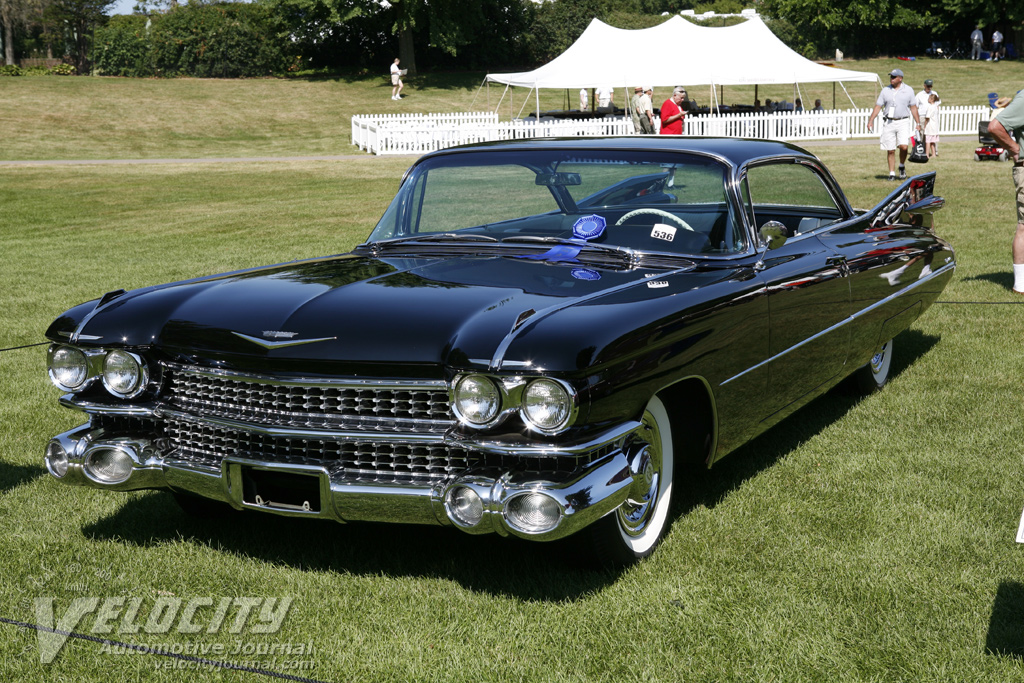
pixel 736 151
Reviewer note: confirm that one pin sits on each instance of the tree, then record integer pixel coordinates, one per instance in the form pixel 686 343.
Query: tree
pixel 76 20
pixel 15 14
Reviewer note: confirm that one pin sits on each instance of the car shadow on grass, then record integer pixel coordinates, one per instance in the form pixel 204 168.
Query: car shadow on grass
pixel 12 476
pixel 1006 626
pixel 488 563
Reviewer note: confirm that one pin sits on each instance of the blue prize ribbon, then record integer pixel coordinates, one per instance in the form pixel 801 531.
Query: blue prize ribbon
pixel 562 252
pixel 589 227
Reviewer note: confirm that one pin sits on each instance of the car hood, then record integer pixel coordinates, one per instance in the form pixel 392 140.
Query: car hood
pixel 443 309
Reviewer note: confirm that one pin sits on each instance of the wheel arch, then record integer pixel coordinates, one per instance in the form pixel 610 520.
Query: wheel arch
pixel 691 406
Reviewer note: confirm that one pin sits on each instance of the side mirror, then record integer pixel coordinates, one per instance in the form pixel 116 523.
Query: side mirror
pixel 774 234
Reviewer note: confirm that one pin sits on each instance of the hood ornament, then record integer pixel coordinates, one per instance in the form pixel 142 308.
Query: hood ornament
pixel 287 341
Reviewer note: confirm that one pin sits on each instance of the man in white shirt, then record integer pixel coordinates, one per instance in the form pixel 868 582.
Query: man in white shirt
pixel 605 96
pixel 997 45
pixel 396 80
pixel 899 104
pixel 922 97
pixel 976 40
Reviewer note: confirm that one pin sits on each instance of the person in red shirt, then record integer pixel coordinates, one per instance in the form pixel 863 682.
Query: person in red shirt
pixel 671 113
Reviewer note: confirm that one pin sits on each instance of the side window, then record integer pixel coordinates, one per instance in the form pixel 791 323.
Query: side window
pixel 793 194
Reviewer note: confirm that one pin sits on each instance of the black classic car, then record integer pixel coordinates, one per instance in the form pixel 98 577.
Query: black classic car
pixel 535 340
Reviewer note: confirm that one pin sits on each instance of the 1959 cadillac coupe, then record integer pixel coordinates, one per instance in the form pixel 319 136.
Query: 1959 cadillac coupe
pixel 537 339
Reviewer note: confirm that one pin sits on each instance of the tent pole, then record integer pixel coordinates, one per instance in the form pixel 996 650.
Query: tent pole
pixel 834 95
pixel 848 95
pixel 485 81
pixel 526 102
pixel 755 92
pixel 535 87
pixel 498 105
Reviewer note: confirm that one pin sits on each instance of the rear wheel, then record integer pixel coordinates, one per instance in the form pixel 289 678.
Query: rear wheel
pixel 977 157
pixel 636 528
pixel 875 374
pixel 1003 156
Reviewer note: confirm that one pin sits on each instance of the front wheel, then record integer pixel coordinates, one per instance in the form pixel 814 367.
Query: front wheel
pixel 635 529
pixel 875 374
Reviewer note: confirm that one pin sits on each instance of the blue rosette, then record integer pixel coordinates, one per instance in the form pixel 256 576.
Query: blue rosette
pixel 589 227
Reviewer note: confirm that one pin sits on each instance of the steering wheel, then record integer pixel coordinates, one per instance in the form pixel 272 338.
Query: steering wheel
pixel 656 212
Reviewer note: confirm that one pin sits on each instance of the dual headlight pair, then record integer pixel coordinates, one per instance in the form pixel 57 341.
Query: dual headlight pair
pixel 547 405
pixel 124 374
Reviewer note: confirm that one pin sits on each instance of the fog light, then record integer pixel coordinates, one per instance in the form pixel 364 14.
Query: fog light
pixel 464 506
pixel 533 512
pixel 56 459
pixel 109 465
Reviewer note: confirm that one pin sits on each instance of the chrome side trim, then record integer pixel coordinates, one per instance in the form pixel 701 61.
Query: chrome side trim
pixel 845 321
pixel 94 408
pixel 602 440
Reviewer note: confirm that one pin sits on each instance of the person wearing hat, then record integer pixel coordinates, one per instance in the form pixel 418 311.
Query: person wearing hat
pixel 924 96
pixel 899 104
pixel 672 114
pixel 1008 131
pixel 643 123
pixel 648 106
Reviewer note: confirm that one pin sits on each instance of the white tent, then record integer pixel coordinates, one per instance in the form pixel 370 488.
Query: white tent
pixel 678 52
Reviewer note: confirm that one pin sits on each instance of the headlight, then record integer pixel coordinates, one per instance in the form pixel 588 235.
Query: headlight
pixel 69 368
pixel 546 405
pixel 124 374
pixel 477 400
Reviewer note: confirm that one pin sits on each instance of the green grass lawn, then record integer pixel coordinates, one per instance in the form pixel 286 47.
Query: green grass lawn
pixel 50 117
pixel 860 540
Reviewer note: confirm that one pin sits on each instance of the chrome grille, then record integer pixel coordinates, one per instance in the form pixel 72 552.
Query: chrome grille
pixel 373 406
pixel 207 445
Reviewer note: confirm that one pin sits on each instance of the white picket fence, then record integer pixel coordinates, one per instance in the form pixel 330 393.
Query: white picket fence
pixel 843 124
pixel 420 133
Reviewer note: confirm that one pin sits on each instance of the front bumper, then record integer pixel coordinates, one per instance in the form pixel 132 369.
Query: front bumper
pixel 533 505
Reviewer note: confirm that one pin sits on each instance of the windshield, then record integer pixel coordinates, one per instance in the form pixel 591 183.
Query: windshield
pixel 662 202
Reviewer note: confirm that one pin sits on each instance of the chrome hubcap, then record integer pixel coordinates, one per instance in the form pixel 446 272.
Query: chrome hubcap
pixel 636 512
pixel 878 360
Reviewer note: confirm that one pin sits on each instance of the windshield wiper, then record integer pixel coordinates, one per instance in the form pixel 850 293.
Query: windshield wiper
pixel 623 254
pixel 537 239
pixel 436 237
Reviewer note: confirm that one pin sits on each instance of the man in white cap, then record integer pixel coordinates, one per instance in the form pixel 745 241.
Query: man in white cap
pixel 899 103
